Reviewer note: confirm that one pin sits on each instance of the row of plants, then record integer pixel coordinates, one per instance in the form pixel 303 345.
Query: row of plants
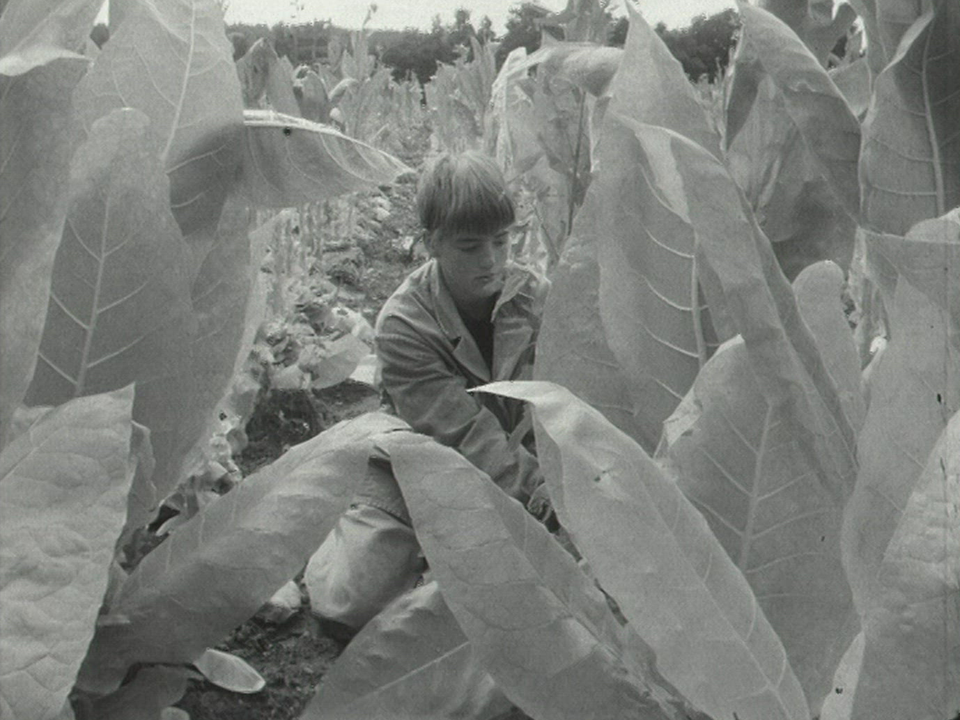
pixel 132 293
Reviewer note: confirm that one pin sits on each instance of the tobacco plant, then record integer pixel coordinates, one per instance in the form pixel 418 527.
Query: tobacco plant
pixel 130 264
pixel 765 511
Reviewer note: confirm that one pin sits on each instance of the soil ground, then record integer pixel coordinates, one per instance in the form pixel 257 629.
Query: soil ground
pixel 293 656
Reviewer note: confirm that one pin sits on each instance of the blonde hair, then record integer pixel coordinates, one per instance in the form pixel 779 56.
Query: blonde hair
pixel 464 193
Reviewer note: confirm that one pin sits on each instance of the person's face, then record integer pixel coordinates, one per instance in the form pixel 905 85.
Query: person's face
pixel 472 265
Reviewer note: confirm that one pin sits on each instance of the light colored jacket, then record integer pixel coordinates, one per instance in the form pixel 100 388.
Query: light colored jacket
pixel 429 359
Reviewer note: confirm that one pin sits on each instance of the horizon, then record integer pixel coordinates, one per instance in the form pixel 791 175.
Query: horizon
pixel 418 14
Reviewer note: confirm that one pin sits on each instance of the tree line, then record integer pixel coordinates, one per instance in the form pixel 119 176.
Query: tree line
pixel 703 47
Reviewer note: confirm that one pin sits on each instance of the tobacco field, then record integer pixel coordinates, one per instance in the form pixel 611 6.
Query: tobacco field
pixel 746 395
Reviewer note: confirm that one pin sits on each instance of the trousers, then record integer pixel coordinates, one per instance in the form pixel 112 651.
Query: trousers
pixel 368 559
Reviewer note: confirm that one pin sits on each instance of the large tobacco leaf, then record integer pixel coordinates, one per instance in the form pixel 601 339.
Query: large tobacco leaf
pixel 914 391
pixel 411 661
pixel 227 310
pixel 189 88
pixel 63 488
pixel 572 348
pixel 929 259
pixel 217 569
pixel 655 554
pixel 151 691
pixel 891 19
pixel 819 291
pixel 759 301
pixel 767 156
pixel 911 148
pixel 812 20
pixel 911 658
pixel 37 139
pixel 837 705
pixel 737 461
pixel 654 314
pixel 651 87
pixel 853 80
pixel 884 23
pixel 793 144
pixel 119 308
pixel 289 160
pixel 34 33
pixel 537 623
pixel 576 348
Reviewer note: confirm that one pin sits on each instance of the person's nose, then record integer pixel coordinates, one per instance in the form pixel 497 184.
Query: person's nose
pixel 488 256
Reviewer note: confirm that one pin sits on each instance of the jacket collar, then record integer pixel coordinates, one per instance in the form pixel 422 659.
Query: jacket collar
pixel 465 348
pixel 508 339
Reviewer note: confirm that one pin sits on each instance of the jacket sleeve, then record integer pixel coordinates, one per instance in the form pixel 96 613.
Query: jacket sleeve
pixel 434 400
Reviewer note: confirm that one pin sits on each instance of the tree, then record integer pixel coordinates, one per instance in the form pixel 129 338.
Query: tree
pixel 617 37
pixel 417 53
pixel 703 47
pixel 486 34
pixel 523 30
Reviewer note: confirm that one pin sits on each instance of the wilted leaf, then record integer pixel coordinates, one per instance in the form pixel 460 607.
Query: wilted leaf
pixel 411 661
pixel 914 392
pixel 217 569
pixel 290 161
pixel 654 553
pixel 911 658
pixel 63 488
pixel 119 309
pixel 189 89
pixel 813 103
pixel 314 103
pixel 36 32
pixel 152 690
pixel 587 65
pixel 537 623
pixel 512 137
pixel 911 147
pixel 253 69
pixel 229 672
pixel 339 359
pixel 37 136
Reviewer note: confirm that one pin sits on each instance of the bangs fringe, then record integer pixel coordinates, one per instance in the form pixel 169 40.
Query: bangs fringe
pixel 464 193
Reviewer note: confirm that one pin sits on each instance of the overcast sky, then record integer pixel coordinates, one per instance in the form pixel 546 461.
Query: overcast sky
pixel 399 14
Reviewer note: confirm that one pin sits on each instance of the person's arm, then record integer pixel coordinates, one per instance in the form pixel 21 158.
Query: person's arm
pixel 434 400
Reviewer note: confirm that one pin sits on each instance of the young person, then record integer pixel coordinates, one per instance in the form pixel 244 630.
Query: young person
pixel 467 317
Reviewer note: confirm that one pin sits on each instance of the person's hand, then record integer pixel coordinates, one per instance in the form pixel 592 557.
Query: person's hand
pixel 539 506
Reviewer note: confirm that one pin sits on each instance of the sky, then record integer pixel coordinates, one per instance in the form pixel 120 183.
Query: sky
pixel 399 14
